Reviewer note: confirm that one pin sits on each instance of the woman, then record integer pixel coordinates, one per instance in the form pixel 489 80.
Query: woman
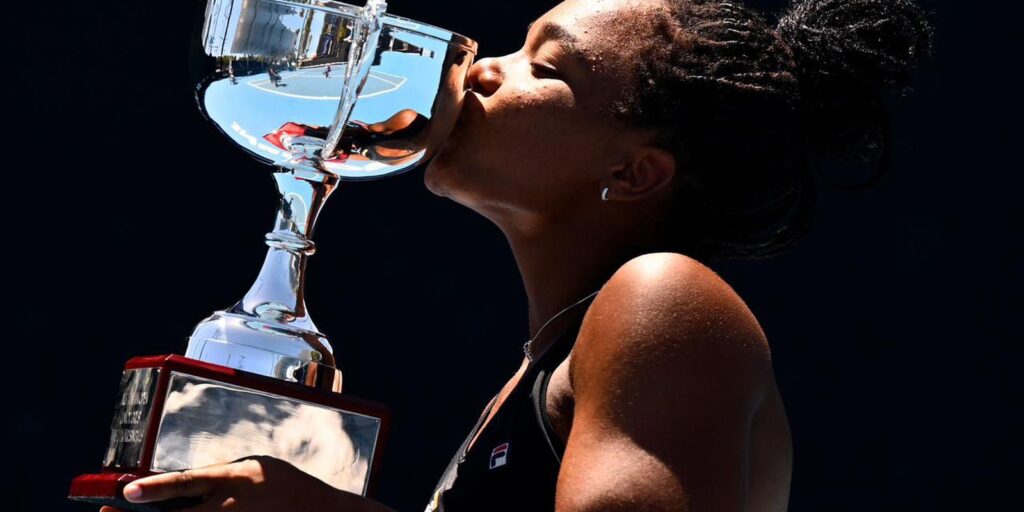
pixel 624 144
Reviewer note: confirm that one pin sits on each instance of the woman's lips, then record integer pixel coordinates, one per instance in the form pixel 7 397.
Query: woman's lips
pixel 472 108
pixel 466 114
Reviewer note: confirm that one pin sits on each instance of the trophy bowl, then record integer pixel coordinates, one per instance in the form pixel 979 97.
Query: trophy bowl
pixel 349 90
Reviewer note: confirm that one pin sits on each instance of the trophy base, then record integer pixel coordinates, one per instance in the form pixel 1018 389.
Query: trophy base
pixel 108 489
pixel 175 413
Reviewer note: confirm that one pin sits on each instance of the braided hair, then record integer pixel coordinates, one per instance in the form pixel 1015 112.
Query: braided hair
pixel 749 110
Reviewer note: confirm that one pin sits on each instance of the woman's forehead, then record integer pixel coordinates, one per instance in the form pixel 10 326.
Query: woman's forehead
pixel 602 12
pixel 602 26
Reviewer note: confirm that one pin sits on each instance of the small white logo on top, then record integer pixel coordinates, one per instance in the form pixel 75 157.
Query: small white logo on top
pixel 499 455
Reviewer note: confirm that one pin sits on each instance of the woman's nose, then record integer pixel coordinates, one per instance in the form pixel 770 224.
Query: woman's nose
pixel 485 76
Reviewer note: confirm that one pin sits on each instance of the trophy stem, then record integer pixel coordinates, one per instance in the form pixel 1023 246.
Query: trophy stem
pixel 269 331
pixel 277 294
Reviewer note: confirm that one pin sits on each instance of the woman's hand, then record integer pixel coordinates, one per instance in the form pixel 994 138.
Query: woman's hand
pixel 256 484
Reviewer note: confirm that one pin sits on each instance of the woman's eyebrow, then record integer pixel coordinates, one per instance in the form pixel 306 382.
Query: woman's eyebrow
pixel 556 32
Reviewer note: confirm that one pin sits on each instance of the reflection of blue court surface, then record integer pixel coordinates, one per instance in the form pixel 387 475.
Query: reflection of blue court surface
pixel 253 107
pixel 311 84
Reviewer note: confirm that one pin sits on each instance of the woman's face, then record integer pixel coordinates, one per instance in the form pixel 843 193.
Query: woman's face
pixel 535 134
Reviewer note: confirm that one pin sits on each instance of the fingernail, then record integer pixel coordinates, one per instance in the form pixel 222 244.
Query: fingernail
pixel 132 492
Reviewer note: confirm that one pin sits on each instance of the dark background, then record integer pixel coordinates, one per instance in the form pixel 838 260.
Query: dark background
pixel 132 219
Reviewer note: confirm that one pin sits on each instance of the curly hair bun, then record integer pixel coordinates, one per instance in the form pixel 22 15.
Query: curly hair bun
pixel 848 53
pixel 871 42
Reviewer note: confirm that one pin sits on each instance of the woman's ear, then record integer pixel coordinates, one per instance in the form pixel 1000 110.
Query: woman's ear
pixel 647 173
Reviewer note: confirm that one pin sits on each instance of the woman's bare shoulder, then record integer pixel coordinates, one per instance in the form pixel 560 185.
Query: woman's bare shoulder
pixel 668 306
pixel 668 371
pixel 662 274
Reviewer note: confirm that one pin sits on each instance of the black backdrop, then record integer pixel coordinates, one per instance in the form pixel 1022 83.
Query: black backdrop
pixel 131 220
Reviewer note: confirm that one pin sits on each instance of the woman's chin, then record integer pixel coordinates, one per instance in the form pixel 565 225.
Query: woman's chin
pixel 443 173
pixel 446 180
pixel 430 179
pixel 440 177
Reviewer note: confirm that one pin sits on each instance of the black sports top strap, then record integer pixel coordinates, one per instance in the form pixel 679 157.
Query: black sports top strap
pixel 515 460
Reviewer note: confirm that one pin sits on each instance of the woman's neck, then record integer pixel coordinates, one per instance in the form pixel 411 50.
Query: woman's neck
pixel 559 267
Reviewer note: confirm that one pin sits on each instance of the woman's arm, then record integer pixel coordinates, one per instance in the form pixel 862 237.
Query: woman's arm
pixel 667 373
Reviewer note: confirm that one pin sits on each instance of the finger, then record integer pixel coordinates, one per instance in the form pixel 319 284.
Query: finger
pixel 192 482
pixel 110 509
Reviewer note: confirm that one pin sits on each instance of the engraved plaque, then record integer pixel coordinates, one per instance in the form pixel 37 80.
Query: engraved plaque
pixel 131 418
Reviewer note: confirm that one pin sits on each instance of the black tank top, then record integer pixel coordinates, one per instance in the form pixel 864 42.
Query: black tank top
pixel 514 463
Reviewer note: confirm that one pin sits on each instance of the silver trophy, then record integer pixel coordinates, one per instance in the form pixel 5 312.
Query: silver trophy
pixel 325 92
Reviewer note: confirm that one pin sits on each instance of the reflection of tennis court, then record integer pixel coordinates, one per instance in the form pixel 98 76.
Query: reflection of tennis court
pixel 250 108
pixel 311 84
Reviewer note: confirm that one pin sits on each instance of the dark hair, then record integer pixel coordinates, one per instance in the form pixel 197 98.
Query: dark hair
pixel 750 110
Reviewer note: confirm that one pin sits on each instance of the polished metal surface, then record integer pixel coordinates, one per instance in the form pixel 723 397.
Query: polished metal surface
pixel 327 92
pixel 269 331
pixel 208 422
pixel 131 417
pixel 276 83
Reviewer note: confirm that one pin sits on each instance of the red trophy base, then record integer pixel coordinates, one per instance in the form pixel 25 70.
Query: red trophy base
pixel 107 489
pixel 176 413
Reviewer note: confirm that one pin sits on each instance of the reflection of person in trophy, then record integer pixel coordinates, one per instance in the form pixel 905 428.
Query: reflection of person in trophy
pixel 627 142
pixel 327 71
pixel 275 78
pixel 392 140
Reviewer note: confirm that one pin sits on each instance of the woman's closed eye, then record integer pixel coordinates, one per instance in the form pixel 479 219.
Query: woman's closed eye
pixel 544 71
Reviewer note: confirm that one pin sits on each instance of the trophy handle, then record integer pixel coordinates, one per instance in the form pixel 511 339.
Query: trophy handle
pixel 360 57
